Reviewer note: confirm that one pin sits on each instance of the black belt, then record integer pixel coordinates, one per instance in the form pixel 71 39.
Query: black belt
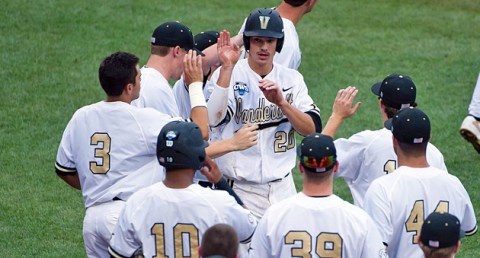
pixel 116 199
pixel 280 179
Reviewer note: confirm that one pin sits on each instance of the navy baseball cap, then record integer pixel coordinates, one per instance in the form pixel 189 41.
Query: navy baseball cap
pixel 396 91
pixel 410 125
pixel 317 152
pixel 171 34
pixel 441 230
pixel 181 145
pixel 205 39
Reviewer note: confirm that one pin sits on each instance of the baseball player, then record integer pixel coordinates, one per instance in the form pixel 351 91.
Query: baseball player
pixel 470 128
pixel 108 150
pixel 170 45
pixel 400 201
pixel 168 219
pixel 244 138
pixel 219 240
pixel 440 235
pixel 315 222
pixel 259 91
pixel 369 154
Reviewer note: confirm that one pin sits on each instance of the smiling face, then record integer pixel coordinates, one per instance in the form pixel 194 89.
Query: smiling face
pixel 262 50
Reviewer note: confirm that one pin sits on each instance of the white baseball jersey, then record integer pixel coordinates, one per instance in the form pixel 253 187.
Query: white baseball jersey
pixel 474 107
pixel 290 56
pixel 303 226
pixel 275 153
pixel 168 222
pixel 399 203
pixel 112 146
pixel 368 155
pixel 182 98
pixel 156 92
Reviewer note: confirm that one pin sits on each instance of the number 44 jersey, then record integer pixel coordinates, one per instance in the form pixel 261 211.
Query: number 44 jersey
pixel 399 203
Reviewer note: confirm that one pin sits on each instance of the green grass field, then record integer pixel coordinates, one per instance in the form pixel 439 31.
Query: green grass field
pixel 51 49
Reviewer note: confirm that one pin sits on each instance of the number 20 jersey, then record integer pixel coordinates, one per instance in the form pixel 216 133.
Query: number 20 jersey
pixel 274 155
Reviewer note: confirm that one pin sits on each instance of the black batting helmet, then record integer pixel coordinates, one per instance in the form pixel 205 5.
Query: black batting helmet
pixel 264 22
pixel 180 145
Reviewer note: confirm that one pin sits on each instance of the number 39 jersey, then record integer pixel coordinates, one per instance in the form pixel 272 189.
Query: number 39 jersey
pixel 399 203
pixel 112 147
pixel 304 226
pixel 274 154
pixel 168 222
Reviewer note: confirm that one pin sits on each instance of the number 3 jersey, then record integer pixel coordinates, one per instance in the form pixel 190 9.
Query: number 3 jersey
pixel 304 226
pixel 399 203
pixel 112 147
pixel 168 222
pixel 274 155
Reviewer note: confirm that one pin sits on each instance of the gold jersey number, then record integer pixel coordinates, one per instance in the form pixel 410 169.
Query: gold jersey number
pixel 102 152
pixel 181 232
pixel 328 244
pixel 417 216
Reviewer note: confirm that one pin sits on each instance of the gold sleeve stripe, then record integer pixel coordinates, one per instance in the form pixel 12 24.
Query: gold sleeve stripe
pixel 113 253
pixel 471 232
pixel 65 169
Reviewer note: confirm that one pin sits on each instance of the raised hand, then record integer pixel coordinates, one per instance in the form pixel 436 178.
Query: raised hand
pixel 228 52
pixel 192 64
pixel 343 105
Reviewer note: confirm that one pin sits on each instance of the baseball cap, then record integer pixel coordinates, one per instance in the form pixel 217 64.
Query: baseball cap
pixel 180 145
pixel 410 125
pixel 205 39
pixel 317 152
pixel 171 34
pixel 440 229
pixel 396 90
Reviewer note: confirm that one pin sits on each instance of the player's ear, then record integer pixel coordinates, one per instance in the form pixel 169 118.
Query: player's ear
pixel 300 167
pixel 335 167
pixel 457 247
pixel 128 88
pixel 176 51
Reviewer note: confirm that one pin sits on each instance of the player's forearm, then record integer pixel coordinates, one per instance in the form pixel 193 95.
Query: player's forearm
pixel 199 115
pixel 332 125
pixel 71 180
pixel 220 148
pixel 301 122
pixel 217 105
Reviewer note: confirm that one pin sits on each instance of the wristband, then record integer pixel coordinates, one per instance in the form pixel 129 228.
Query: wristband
pixel 195 91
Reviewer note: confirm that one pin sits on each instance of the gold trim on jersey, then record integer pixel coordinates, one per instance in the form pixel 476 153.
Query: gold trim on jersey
pixel 65 169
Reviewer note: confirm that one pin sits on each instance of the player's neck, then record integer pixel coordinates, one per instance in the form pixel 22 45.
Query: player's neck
pixel 122 98
pixel 179 178
pixel 412 161
pixel 261 70
pixel 317 188
pixel 161 64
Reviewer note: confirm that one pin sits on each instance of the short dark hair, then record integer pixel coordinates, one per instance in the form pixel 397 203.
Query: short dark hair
pixel 391 111
pixel 160 50
pixel 116 71
pixel 295 3
pixel 220 239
